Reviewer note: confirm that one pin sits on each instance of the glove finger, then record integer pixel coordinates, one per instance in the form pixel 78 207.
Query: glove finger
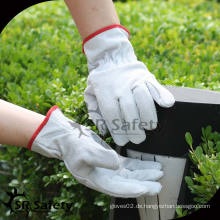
pixel 97 156
pixel 147 174
pixel 111 113
pixel 135 164
pixel 146 107
pixel 160 94
pixel 118 186
pixel 94 111
pixel 131 118
pixel 134 188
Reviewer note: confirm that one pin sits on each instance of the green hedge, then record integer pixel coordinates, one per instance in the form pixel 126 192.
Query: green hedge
pixel 204 179
pixel 41 64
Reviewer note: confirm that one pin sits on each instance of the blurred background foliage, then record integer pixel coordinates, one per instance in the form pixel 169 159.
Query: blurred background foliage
pixel 42 64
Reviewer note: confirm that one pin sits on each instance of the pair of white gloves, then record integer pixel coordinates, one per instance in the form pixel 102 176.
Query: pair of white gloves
pixel 120 97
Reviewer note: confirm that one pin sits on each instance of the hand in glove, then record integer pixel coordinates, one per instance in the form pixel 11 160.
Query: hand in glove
pixel 91 161
pixel 120 91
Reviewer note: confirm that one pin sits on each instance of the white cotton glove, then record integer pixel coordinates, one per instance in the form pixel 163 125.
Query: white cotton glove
pixel 91 161
pixel 120 91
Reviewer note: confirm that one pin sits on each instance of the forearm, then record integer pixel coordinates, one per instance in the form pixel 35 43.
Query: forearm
pixel 17 124
pixel 92 15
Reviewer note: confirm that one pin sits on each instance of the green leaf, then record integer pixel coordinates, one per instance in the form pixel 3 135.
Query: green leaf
pixel 210 144
pixel 217 174
pixel 188 138
pixel 205 147
pixel 189 180
pixel 199 152
pixel 179 211
pixel 208 130
pixel 218 146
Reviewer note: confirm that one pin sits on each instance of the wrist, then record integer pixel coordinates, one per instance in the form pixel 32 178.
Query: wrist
pixel 17 124
pixel 34 125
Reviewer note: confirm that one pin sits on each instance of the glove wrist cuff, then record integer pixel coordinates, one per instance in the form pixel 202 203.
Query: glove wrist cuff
pixel 108 47
pixel 41 126
pixel 101 31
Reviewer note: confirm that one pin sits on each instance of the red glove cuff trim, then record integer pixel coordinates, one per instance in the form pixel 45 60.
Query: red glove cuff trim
pixel 101 31
pixel 41 126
